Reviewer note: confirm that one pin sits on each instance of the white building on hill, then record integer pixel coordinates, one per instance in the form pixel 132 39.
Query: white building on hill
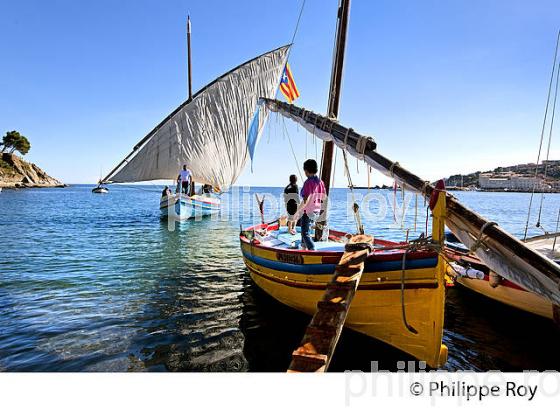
pixel 511 181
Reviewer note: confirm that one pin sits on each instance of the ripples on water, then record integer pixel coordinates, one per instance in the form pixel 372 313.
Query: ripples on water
pixel 98 283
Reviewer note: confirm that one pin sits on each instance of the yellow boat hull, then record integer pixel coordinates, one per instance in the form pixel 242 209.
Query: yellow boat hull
pixel 376 310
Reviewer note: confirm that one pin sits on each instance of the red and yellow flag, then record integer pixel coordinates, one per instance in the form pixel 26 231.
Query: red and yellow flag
pixel 288 85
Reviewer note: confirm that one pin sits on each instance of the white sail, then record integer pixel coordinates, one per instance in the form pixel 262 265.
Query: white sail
pixel 208 133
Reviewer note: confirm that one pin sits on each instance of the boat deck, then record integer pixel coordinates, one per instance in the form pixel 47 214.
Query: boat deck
pixel 546 246
pixel 282 239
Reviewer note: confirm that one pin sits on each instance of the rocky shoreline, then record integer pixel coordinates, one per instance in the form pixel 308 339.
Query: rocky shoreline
pixel 16 173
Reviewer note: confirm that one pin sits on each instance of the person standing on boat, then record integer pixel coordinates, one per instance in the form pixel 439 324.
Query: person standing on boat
pixel 291 199
pixel 313 194
pixel 185 178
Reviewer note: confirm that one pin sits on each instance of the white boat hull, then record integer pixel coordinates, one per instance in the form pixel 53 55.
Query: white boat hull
pixel 181 207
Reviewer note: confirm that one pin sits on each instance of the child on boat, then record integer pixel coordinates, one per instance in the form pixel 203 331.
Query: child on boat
pixel 291 199
pixel 313 194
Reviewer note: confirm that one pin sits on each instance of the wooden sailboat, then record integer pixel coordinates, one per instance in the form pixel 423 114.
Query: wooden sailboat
pixel 470 272
pixel 400 298
pixel 401 295
pixel 208 133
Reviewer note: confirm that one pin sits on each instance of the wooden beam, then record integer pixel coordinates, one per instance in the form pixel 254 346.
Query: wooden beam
pixel 335 86
pixel 189 61
pixel 319 342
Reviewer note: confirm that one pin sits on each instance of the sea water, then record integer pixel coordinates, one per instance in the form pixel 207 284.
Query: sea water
pixel 101 283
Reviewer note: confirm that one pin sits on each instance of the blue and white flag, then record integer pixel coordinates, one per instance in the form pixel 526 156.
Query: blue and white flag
pixel 254 132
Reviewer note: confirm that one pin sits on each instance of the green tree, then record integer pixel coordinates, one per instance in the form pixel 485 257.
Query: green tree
pixel 22 145
pixel 10 139
pixel 14 141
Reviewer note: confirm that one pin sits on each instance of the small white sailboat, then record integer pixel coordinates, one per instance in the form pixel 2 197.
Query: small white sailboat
pixel 100 189
pixel 213 133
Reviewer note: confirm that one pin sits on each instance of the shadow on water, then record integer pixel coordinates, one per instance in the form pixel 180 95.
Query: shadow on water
pixel 482 334
pixel 272 331
pixel 190 322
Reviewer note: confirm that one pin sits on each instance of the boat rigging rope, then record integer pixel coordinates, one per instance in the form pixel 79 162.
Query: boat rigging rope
pixel 355 207
pixel 298 20
pixel 403 207
pixel 411 245
pixel 139 188
pixel 479 240
pixel 557 223
pixel 315 144
pixel 548 147
pixel 334 166
pixel 542 135
pixel 391 171
pixel 292 147
pixel 415 211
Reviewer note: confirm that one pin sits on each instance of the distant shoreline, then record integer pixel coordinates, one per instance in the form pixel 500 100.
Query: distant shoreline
pixel 5 185
pixel 16 173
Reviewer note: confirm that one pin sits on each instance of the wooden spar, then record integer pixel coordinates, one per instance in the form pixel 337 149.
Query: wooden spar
pixel 189 62
pixel 320 339
pixel 510 245
pixel 335 87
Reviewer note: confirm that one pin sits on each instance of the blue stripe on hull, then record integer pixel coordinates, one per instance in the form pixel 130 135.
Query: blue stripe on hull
pixel 328 269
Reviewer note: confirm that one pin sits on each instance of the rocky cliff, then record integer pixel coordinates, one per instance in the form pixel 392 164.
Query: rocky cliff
pixel 17 173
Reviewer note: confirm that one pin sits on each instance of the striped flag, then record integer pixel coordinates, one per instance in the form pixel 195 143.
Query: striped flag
pixel 288 85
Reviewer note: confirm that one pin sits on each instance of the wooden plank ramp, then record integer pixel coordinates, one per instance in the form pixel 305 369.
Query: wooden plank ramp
pixel 317 346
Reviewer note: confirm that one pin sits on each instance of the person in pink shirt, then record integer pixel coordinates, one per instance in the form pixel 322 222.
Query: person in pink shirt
pixel 313 193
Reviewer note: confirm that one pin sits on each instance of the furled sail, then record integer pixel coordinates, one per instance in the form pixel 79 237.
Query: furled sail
pixel 503 253
pixel 209 132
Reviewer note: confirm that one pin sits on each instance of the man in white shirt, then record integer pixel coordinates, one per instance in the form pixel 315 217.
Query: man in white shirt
pixel 185 178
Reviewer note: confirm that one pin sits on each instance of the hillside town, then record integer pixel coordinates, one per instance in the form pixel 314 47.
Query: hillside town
pixel 516 178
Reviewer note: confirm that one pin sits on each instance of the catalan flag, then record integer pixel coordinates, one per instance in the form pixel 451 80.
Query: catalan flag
pixel 288 85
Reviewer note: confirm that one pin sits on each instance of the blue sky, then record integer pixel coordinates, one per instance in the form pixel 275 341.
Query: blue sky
pixel 443 86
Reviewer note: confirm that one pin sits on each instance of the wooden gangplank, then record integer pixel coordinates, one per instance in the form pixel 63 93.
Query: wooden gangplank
pixel 317 346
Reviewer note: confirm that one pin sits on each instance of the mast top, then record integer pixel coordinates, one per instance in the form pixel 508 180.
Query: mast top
pixel 338 59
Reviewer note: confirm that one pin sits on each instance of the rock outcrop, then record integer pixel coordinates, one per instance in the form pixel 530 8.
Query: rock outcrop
pixel 17 173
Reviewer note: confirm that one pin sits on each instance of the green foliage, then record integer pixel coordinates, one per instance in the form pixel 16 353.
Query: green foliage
pixel 14 141
pixel 22 145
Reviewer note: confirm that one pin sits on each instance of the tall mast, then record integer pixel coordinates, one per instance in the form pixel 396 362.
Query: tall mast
pixel 189 55
pixel 335 87
pixel 189 61
pixel 334 97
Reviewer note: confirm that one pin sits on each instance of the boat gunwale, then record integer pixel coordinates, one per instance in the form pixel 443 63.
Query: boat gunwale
pixel 380 255
pixel 164 202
